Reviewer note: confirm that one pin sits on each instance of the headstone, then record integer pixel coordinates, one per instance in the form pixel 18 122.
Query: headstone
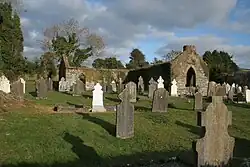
pixel 23 82
pixel 244 90
pixel 220 91
pixel 121 86
pixel 50 84
pixel 125 116
pixel 140 85
pixel 160 101
pixel 104 87
pixel 4 84
pixel 233 87
pixel 174 88
pixel 160 83
pixel 211 89
pixel 132 91
pixel 113 86
pixel 42 89
pixel 231 94
pixel 62 85
pixel 17 89
pixel 216 147
pixel 78 88
pixel 151 88
pixel 239 89
pixel 97 101
pixel 198 104
pixel 248 96
pixel 228 87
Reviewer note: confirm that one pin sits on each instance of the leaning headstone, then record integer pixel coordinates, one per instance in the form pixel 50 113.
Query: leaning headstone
pixel 248 96
pixel 160 83
pixel 4 84
pixel 160 101
pixel 140 85
pixel 23 82
pixel 132 91
pixel 42 89
pixel 113 86
pixel 151 88
pixel 174 88
pixel 62 85
pixel 78 88
pixel 17 89
pixel 97 101
pixel 216 147
pixel 124 116
pixel 198 104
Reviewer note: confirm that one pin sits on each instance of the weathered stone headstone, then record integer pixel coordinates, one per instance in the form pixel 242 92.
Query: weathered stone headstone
pixel 62 85
pixel 125 116
pixel 50 84
pixel 160 83
pixel 228 87
pixel 140 85
pixel 121 85
pixel 42 89
pixel 174 88
pixel 104 87
pixel 248 96
pixel 160 101
pixel 216 147
pixel 151 88
pixel 244 90
pixel 78 88
pixel 24 83
pixel 97 101
pixel 132 91
pixel 113 86
pixel 231 94
pixel 220 91
pixel 211 89
pixel 198 103
pixel 17 89
pixel 233 87
pixel 4 84
pixel 239 89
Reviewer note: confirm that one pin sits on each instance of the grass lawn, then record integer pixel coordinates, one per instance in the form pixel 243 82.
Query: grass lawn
pixel 30 138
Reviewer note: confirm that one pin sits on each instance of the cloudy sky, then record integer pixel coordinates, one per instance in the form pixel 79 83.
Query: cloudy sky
pixel 153 26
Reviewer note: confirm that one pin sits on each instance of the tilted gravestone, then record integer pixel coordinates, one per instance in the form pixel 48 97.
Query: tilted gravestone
pixel 124 116
pixel 151 88
pixel 42 89
pixel 17 89
pixel 216 147
pixel 132 91
pixel 140 85
pixel 160 101
pixel 198 105
pixel 78 88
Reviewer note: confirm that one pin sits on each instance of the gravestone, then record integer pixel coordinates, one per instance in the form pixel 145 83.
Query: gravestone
pixel 239 89
pixel 50 84
pixel 228 87
pixel 42 89
pixel 211 89
pixel 121 85
pixel 104 87
pixel 78 88
pixel 248 96
pixel 220 91
pixel 124 116
pixel 174 88
pixel 97 101
pixel 140 85
pixel 62 85
pixel 4 84
pixel 151 88
pixel 244 90
pixel 160 83
pixel 216 147
pixel 17 89
pixel 233 88
pixel 132 91
pixel 23 82
pixel 160 101
pixel 231 94
pixel 198 103
pixel 113 86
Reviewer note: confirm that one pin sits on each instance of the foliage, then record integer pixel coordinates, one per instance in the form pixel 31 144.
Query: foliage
pixel 220 65
pixel 137 60
pixel 156 61
pixel 108 63
pixel 47 65
pixel 171 55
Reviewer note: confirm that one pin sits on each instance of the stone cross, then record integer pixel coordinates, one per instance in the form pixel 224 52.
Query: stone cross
pixel 151 88
pixel 160 83
pixel 198 103
pixel 97 101
pixel 216 147
pixel 23 82
pixel 160 101
pixel 113 85
pixel 140 85
pixel 42 89
pixel 132 91
pixel 174 88
pixel 124 116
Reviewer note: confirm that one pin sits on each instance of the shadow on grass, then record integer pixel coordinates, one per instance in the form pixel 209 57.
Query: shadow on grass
pixel 76 105
pixel 87 96
pixel 171 105
pixel 33 94
pixel 193 129
pixel 158 118
pixel 241 105
pixel 113 99
pixel 142 108
pixel 110 128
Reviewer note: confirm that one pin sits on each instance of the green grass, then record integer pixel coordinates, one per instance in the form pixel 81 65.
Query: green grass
pixel 29 138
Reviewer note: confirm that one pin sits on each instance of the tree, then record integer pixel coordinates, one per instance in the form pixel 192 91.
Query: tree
pixel 66 39
pixel 220 65
pixel 156 61
pixel 171 55
pixel 108 63
pixel 137 60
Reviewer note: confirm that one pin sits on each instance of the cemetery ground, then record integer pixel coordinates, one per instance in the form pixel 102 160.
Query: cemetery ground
pixel 37 136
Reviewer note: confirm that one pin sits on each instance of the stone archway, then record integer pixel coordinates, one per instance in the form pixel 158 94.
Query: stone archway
pixel 191 78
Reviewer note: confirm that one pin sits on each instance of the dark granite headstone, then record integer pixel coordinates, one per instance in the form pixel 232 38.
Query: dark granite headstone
pixel 160 101
pixel 42 89
pixel 216 147
pixel 125 116
pixel 17 89
pixel 198 105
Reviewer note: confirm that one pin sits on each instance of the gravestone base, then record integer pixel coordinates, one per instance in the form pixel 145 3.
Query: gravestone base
pixel 132 100
pixel 98 109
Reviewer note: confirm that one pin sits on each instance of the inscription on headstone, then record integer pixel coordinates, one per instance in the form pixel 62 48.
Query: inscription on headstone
pixel 132 91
